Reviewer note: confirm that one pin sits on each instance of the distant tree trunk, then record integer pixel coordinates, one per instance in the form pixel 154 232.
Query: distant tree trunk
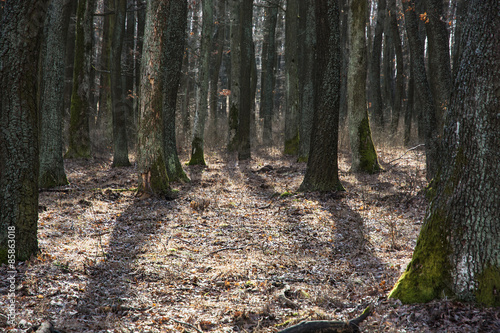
pixel 422 88
pixel 307 41
pixel 409 111
pixel 19 51
pixel 153 178
pixel 291 78
pixel 439 59
pixel 457 251
pixel 364 155
pixel 322 165
pixel 375 87
pixel 200 117
pixel 399 88
pixel 246 11
pixel 118 97
pixel 173 54
pixel 141 19
pixel 53 59
pixel 79 132
pixel 268 77
pixel 232 144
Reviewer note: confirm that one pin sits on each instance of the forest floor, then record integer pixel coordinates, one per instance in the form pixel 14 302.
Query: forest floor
pixel 237 250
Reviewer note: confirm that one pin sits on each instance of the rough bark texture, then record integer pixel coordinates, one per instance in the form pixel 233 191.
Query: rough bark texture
pixel 151 164
pixel 53 59
pixel 268 74
pixel 20 30
pixel 457 251
pixel 422 88
pixel 174 52
pixel 291 78
pixel 307 41
pixel 79 135
pixel 375 87
pixel 200 117
pixel 232 142
pixel 322 166
pixel 399 84
pixel 364 155
pixel 118 97
pixel 245 91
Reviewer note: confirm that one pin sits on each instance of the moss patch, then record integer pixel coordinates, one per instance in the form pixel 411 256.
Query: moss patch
pixel 368 160
pixel 488 291
pixel 197 155
pixel 292 146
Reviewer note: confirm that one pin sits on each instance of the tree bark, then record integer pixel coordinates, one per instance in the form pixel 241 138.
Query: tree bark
pixel 364 155
pixel 153 178
pixel 457 250
pixel 51 104
pixel 20 31
pixel 79 131
pixel 200 117
pixel 232 143
pixel 291 78
pixel 118 97
pixel 173 55
pixel 399 84
pixel 322 166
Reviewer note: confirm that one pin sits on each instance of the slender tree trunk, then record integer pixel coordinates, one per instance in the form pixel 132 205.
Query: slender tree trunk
pixel 292 116
pixel 268 73
pixel 119 106
pixel 457 251
pixel 322 166
pixel 51 104
pixel 235 47
pixel 200 117
pixel 153 178
pixel 245 72
pixel 173 54
pixel 422 88
pixel 19 51
pixel 79 131
pixel 399 84
pixel 307 40
pixel 364 155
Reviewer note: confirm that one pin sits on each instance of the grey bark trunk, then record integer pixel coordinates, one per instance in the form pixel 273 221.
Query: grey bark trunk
pixel 235 47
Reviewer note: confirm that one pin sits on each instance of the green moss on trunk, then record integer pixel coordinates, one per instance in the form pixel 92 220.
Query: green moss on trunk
pixel 292 146
pixel 427 276
pixel 367 154
pixel 197 154
pixel 488 290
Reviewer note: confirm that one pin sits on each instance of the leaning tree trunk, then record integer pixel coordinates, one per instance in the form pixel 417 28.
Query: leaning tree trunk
pixel 322 166
pixel 118 97
pixel 198 143
pixel 173 54
pixel 364 155
pixel 153 178
pixel 291 78
pixel 53 59
pixel 79 132
pixel 457 251
pixel 20 30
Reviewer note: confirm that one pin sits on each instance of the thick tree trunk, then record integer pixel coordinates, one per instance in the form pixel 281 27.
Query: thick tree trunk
pixel 307 40
pixel 153 178
pixel 173 54
pixel 424 95
pixel 234 107
pixel 457 251
pixel 245 71
pixel 322 166
pixel 364 155
pixel 292 116
pixel 268 73
pixel 200 117
pixel 79 131
pixel 118 97
pixel 19 51
pixel 51 104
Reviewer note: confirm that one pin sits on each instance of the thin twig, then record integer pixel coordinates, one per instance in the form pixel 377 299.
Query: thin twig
pixel 185 324
pixel 413 148
pixel 229 248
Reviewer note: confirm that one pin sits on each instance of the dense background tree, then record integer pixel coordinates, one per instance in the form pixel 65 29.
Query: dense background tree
pixel 322 165
pixel 151 165
pixel 457 252
pixel 79 131
pixel 363 153
pixel 20 35
pixel 51 104
pixel 235 48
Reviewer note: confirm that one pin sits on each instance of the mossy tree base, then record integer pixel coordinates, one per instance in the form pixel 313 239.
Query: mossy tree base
pixel 52 179
pixel 197 154
pixel 292 146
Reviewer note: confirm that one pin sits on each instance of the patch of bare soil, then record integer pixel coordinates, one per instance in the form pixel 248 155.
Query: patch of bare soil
pixel 238 250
